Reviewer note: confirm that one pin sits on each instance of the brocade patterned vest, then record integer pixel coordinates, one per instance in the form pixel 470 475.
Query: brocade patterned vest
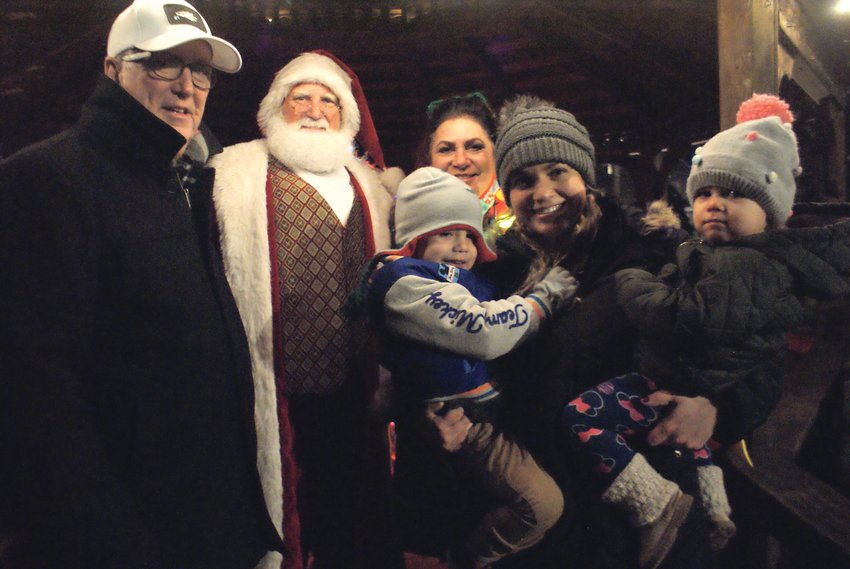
pixel 316 263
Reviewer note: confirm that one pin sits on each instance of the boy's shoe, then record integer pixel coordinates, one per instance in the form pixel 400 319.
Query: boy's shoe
pixel 658 537
pixel 721 531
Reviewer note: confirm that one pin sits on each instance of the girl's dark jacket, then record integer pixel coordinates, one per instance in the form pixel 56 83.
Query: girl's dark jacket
pixel 126 404
pixel 718 329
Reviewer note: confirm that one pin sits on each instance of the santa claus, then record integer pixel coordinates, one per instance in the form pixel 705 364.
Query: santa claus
pixel 300 214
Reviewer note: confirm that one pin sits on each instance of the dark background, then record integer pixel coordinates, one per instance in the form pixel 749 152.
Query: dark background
pixel 642 75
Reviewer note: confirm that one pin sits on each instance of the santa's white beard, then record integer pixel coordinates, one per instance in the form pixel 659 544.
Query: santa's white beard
pixel 315 151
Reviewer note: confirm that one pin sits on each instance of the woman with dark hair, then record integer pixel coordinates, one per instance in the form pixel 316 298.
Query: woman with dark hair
pixel 460 138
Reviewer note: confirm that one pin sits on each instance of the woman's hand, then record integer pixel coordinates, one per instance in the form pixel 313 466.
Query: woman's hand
pixel 451 428
pixel 689 423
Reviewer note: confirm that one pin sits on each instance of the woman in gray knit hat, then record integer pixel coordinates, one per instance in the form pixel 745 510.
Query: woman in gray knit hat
pixel 546 163
pixel 540 144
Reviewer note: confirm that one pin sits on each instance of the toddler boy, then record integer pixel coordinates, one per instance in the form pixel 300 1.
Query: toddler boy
pixel 439 324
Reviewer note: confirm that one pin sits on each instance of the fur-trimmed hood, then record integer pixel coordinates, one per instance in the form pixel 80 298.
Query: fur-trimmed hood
pixel 659 216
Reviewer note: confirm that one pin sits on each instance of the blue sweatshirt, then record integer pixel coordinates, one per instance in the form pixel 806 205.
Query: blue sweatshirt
pixel 440 324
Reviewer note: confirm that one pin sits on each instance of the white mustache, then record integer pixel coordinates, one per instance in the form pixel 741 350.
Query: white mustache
pixel 314 123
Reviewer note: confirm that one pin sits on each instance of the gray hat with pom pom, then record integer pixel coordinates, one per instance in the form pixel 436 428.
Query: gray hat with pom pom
pixel 757 159
pixel 543 134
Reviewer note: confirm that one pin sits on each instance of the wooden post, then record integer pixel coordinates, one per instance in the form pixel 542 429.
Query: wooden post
pixel 748 39
pixel 836 165
pixel 757 46
pixel 799 62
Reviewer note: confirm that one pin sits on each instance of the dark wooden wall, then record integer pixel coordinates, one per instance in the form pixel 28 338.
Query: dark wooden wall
pixel 642 75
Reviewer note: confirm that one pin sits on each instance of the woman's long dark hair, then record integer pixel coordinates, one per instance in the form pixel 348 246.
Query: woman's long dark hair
pixel 472 105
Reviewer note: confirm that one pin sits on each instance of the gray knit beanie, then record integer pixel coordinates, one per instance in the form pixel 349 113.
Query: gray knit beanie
pixel 758 159
pixel 543 134
pixel 429 200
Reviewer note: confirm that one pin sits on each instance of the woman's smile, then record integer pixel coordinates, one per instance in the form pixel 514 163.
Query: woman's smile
pixel 546 210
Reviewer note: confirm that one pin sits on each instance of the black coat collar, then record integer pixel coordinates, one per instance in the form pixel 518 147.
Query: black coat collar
pixel 124 130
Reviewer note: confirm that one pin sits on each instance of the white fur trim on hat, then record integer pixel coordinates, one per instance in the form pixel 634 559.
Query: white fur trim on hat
pixel 311 68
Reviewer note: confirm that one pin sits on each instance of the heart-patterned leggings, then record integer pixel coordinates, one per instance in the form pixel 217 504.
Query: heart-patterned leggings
pixel 604 418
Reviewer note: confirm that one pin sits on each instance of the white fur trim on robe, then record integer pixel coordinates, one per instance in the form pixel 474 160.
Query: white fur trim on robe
pixel 239 196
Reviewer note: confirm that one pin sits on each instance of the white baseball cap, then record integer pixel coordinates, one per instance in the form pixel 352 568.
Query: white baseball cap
pixel 156 25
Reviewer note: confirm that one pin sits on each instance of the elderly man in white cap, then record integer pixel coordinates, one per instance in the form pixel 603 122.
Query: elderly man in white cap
pixel 300 215
pixel 126 405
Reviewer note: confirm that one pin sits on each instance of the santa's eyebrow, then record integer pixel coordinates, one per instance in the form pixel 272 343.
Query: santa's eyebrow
pixel 305 94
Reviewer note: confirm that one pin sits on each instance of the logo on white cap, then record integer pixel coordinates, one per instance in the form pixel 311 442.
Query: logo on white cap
pixel 178 14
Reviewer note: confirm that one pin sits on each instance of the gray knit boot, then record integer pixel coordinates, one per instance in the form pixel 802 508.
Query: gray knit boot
pixel 654 504
pixel 716 503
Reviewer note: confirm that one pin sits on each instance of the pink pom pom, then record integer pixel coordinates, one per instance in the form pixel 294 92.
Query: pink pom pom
pixel 760 106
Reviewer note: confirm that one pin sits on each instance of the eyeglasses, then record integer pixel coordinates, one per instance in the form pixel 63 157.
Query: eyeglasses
pixel 304 102
pixel 168 67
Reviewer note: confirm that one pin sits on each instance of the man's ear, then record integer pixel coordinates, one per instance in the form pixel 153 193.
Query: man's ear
pixel 110 68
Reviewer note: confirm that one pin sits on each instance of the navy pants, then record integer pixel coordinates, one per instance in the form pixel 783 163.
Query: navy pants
pixel 603 419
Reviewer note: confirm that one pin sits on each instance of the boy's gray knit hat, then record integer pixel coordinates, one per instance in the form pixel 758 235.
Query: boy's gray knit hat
pixel 542 134
pixel 757 159
pixel 429 200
